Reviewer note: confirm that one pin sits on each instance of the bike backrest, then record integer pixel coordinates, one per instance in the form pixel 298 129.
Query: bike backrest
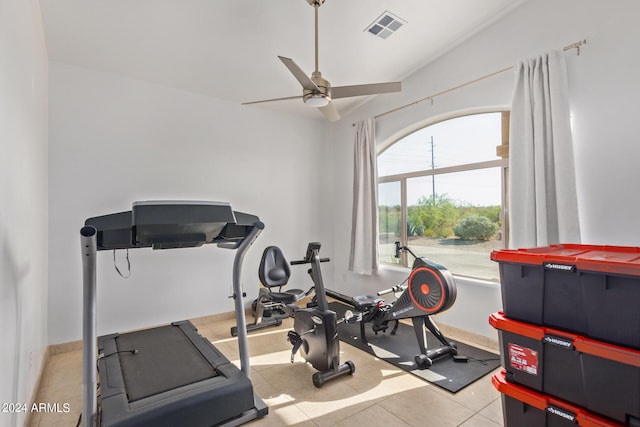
pixel 274 269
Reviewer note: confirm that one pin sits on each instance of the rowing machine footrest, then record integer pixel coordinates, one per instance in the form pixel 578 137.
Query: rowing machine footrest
pixel 380 328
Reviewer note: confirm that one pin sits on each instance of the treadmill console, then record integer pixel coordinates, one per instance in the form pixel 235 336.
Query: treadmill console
pixel 167 225
pixel 171 224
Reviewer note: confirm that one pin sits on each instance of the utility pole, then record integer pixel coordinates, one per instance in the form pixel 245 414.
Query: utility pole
pixel 433 176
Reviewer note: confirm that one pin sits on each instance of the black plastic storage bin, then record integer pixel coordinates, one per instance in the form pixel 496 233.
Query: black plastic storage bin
pixel 522 407
pixel 593 291
pixel 600 377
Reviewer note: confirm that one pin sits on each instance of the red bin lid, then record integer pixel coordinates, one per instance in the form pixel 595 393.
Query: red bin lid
pixel 582 344
pixel 607 259
pixel 544 402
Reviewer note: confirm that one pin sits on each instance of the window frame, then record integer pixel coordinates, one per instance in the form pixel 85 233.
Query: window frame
pixel 502 163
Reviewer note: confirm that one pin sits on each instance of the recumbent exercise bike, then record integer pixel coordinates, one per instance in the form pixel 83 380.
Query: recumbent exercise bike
pixel 429 289
pixel 273 303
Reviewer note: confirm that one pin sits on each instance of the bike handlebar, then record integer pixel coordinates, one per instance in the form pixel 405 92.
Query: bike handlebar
pixel 306 261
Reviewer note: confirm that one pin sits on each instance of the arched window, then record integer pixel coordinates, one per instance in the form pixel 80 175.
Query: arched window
pixel 441 192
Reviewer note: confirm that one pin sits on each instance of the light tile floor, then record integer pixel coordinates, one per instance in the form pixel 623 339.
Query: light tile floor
pixel 377 394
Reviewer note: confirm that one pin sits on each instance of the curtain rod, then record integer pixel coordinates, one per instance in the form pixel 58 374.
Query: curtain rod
pixel 575 45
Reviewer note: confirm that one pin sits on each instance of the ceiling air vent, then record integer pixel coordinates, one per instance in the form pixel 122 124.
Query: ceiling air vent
pixel 385 25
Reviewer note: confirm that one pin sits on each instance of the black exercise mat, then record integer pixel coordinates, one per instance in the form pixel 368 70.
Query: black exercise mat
pixel 400 349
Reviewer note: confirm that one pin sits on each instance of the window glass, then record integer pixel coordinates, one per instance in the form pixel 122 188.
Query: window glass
pixel 466 139
pixel 434 220
pixel 390 221
pixel 451 211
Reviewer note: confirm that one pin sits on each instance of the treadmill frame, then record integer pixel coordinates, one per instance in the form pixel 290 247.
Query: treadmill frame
pixel 89 249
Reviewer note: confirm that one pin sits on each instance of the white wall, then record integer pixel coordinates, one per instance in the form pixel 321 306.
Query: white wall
pixel 23 202
pixel 115 140
pixel 603 87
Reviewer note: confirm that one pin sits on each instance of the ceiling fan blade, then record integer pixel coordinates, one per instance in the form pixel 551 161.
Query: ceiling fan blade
pixel 271 100
pixel 330 112
pixel 297 72
pixel 368 89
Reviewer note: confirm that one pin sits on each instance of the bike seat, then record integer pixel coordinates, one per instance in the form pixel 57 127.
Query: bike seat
pixel 365 302
pixel 288 297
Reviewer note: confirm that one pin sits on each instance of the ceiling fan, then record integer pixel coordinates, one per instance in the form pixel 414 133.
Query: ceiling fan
pixel 317 92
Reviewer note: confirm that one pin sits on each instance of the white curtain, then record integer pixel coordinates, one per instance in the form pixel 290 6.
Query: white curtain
pixel 363 258
pixel 543 207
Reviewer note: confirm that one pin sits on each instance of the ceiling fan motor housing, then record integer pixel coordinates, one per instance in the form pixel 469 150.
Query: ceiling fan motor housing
pixel 323 91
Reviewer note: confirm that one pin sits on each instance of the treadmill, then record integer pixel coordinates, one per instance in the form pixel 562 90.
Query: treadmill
pixel 168 375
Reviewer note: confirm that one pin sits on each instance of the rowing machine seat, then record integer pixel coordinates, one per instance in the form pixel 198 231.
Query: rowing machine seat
pixel 365 302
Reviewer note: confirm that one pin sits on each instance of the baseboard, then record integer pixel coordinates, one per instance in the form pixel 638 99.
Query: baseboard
pixel 36 389
pixel 65 347
pixel 471 338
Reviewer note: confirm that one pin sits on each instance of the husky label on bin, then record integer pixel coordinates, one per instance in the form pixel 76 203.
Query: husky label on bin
pixel 523 359
pixel 561 413
pixel 560 342
pixel 559 267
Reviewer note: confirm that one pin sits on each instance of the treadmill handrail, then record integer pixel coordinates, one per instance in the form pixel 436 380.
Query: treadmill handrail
pixel 241 321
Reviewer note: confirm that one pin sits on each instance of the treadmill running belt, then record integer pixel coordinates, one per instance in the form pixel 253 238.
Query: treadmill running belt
pixel 165 360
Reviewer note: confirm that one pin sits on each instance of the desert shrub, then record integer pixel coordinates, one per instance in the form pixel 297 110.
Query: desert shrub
pixel 433 216
pixel 414 227
pixel 475 227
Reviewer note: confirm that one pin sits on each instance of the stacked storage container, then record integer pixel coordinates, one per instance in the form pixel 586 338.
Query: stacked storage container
pixel 569 335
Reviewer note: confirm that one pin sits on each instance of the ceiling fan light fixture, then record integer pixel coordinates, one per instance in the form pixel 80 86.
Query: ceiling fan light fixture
pixel 316 100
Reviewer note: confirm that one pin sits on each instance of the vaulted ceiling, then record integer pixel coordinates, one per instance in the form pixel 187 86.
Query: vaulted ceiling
pixel 229 49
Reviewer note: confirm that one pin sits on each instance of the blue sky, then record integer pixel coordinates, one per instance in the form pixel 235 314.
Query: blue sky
pixel 467 139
